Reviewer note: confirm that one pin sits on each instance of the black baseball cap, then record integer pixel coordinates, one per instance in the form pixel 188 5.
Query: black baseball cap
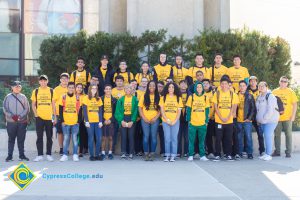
pixel 16 83
pixel 104 57
pixel 43 77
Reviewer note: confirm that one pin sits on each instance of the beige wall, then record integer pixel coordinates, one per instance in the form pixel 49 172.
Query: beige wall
pixel 217 14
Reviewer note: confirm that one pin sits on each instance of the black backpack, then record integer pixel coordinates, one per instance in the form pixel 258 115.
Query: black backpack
pixel 279 104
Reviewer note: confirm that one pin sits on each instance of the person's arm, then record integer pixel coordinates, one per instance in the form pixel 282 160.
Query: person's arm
pixel 100 113
pixel 6 110
pixel 162 110
pixel 177 116
pixel 294 111
pixel 61 114
pixel 33 106
pixel 85 113
pixel 252 111
pixel 218 112
pixel 156 117
pixel 54 111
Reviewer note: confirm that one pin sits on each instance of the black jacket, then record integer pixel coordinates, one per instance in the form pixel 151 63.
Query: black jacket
pixel 249 106
pixel 108 79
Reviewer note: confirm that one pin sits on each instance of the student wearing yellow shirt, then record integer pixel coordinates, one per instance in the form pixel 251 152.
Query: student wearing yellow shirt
pixel 109 106
pixel 118 91
pixel 150 113
pixel 171 105
pixel 43 108
pixel 289 99
pixel 245 114
pixel 162 70
pixel 123 71
pixel 199 79
pixel 183 127
pixel 238 72
pixel 179 72
pixel 145 73
pixel 83 135
pixel 197 115
pixel 81 75
pixel 70 115
pixel 253 89
pixel 225 102
pixel 92 111
pixel 57 93
pixel 199 60
pixel 126 115
pixel 218 70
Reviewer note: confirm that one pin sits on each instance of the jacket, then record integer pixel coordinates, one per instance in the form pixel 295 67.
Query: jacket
pixel 249 106
pixel 266 109
pixel 11 107
pixel 108 79
pixel 119 113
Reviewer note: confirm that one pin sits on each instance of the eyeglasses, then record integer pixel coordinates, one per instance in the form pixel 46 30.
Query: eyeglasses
pixel 94 88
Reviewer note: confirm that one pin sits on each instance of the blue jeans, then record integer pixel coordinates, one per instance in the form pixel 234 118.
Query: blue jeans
pixel 171 138
pixel 93 131
pixel 67 131
pixel 150 130
pixel 245 130
pixel 268 131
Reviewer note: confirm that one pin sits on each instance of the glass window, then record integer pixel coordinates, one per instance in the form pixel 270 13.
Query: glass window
pixel 9 43
pixel 64 6
pixel 10 4
pixel 32 45
pixel 9 67
pixel 31 67
pixel 10 20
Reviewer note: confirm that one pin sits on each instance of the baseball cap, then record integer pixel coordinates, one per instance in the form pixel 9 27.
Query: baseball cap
pixel 16 83
pixel 43 76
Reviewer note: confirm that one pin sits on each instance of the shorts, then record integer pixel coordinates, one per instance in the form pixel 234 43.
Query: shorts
pixel 108 130
pixel 58 126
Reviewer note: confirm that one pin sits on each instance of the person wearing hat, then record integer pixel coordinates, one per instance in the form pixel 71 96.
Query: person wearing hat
pixel 43 108
pixel 105 74
pixel 16 108
pixel 58 92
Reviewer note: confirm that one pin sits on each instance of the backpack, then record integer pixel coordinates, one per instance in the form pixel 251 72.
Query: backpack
pixel 280 108
pixel 218 97
pixel 86 75
pixel 77 103
pixel 128 75
pixel 36 94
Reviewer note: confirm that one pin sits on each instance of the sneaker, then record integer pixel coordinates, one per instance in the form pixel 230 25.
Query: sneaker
pixel 130 156
pixel 288 155
pixel 172 159
pixel 49 158
pixel 38 158
pixel 61 153
pixel 203 158
pixel 102 156
pixel 151 157
pixel 197 156
pixel 75 158
pixel 185 155
pixel 211 156
pixel 110 156
pixel 228 158
pixel 237 157
pixel 63 158
pixel 250 156
pixel 147 157
pixel 166 159
pixel 23 157
pixel 191 158
pixel 123 156
pixel 80 155
pixel 216 159
pixel 98 158
pixel 263 155
pixel 275 154
pixel 267 158
pixel 9 158
pixel 92 158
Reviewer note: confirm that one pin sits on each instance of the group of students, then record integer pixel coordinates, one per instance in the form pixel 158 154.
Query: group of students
pixel 199 110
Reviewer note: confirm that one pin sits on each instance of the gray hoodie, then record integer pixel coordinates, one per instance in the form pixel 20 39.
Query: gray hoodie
pixel 266 110
pixel 11 106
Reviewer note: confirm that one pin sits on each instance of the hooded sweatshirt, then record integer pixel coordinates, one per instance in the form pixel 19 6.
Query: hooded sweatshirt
pixel 266 109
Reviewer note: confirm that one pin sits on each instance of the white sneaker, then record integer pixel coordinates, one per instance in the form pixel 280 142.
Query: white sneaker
pixel 211 156
pixel 203 158
pixel 191 158
pixel 63 158
pixel 38 158
pixel 75 158
pixel 267 158
pixel 166 159
pixel 172 159
pixel 49 158
pixel 263 155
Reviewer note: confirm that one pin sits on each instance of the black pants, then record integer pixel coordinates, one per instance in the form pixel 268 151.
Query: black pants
pixel 183 135
pixel 224 134
pixel 83 138
pixel 209 136
pixel 161 139
pixel 42 125
pixel 16 130
pixel 127 133
pixel 138 137
pixel 115 136
pixel 260 137
pixel 235 139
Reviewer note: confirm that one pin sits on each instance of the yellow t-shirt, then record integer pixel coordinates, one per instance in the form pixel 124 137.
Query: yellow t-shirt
pixel 198 107
pixel 225 105
pixel 127 105
pixel 57 93
pixel 125 76
pixel 255 94
pixel 240 116
pixel 44 103
pixel 140 93
pixel 80 77
pixel 179 74
pixel 107 111
pixel 152 112
pixel 117 93
pixel 170 106
pixel 139 76
pixel 288 97
pixel 236 75
pixel 218 73
pixel 193 70
pixel 70 112
pixel 162 72
pixel 92 108
pixel 210 96
pixel 103 71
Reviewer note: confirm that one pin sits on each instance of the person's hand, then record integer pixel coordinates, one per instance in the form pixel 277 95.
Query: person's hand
pixel 124 124
pixel 293 118
pixel 100 124
pixel 15 118
pixel 173 123
pixel 87 124
pixel 130 124
pixel 147 121
pixel 169 122
pixel 247 120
